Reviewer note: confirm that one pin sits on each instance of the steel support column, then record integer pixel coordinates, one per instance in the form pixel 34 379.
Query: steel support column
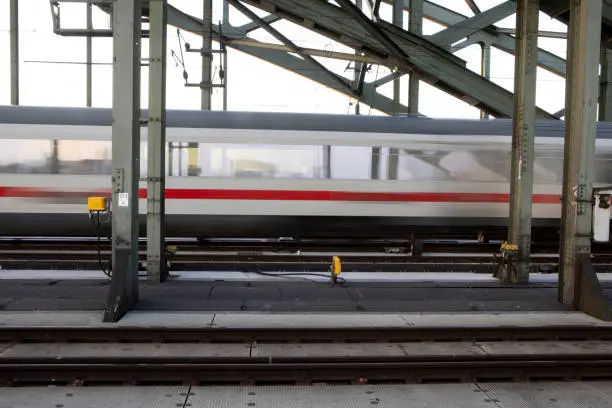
pixel 207 56
pixel 123 294
pixel 156 166
pixel 393 161
pixel 578 167
pixel 485 69
pixel 605 85
pixel 415 26
pixel 523 137
pixel 88 75
pixel 14 33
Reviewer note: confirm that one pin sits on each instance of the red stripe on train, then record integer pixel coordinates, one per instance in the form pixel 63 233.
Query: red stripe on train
pixel 288 195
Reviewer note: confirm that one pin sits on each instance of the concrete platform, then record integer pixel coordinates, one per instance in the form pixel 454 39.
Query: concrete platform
pixel 144 319
pixel 469 395
pixel 287 295
pixel 270 352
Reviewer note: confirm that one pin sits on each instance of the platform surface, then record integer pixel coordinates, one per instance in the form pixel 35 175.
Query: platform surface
pixel 468 395
pixel 249 320
pixel 286 295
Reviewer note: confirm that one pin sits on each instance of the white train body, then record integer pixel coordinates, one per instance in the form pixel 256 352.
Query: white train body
pixel 260 174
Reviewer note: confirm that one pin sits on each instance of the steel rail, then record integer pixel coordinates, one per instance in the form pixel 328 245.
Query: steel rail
pixel 531 368
pixel 215 334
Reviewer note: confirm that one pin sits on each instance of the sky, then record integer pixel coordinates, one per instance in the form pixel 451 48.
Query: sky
pixel 53 72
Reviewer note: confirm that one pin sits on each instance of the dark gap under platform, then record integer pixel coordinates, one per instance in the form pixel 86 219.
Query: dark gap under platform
pixel 286 296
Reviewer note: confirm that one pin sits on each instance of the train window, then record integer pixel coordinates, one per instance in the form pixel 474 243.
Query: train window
pixel 421 162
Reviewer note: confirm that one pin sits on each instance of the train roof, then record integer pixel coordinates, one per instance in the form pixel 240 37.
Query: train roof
pixel 288 121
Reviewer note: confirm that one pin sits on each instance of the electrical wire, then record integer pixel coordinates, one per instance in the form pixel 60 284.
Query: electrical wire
pixel 97 222
pixel 297 275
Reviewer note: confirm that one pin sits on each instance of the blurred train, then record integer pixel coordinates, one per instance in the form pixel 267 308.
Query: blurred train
pixel 246 174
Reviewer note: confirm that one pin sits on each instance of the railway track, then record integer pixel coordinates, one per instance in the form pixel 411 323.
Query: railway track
pixel 286 255
pixel 194 371
pixel 302 363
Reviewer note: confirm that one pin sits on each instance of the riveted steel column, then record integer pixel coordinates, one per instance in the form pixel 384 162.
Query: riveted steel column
pixel 578 167
pixel 206 54
pixel 415 26
pixel 156 166
pixel 14 33
pixel 605 85
pixel 88 74
pixel 123 294
pixel 393 161
pixel 523 137
pixel 485 69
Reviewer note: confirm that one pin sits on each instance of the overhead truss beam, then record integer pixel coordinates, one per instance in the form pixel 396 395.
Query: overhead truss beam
pixel 467 27
pixel 439 68
pixel 490 35
pixel 281 58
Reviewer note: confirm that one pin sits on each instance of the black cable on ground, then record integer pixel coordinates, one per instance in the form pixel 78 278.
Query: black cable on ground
pixel 292 275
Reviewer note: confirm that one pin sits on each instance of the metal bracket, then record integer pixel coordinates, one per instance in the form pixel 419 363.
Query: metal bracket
pixel 118 181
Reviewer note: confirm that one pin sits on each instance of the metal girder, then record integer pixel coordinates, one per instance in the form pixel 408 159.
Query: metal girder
pixel 252 26
pixel 605 85
pixel 475 9
pixel 559 9
pixel 157 270
pixel 489 35
pixel 294 48
pixel 441 69
pixel 465 28
pixel 88 75
pixel 415 26
pixel 546 34
pixel 207 58
pixel 123 291
pixel 372 28
pixel 523 139
pixel 280 58
pixel 14 40
pixel 579 151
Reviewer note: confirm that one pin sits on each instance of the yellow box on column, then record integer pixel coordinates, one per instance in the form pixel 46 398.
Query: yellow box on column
pixel 96 204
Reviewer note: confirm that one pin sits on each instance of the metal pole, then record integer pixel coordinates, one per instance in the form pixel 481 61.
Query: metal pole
pixel 398 20
pixel 156 177
pixel 206 54
pixel 393 161
pixel 578 167
pixel 523 137
pixel 485 69
pixel 89 51
pixel 14 33
pixel 415 26
pixel 123 294
pixel 605 85
pixel 224 76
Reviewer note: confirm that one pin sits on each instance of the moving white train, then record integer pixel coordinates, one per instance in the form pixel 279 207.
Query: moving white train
pixel 238 174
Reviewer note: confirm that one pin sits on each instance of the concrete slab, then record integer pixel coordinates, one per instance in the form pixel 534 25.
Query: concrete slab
pixel 323 320
pixel 546 347
pixel 94 397
pixel 283 306
pixel 52 319
pixel 502 319
pixel 319 396
pixel 245 293
pixel 162 303
pixel 468 395
pixel 326 350
pixel 300 320
pixel 166 319
pixel 110 350
pixel 554 395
